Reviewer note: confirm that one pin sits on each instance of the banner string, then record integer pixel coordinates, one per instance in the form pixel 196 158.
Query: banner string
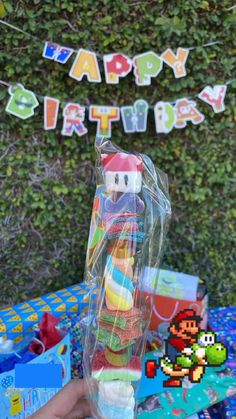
pixel 19 30
pixel 7 85
pixel 231 8
pixel 2 22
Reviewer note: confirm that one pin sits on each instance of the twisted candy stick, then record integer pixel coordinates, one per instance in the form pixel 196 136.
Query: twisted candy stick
pixel 118 284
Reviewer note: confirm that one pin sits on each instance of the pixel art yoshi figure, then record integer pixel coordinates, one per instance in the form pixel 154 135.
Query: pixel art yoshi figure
pixel 189 350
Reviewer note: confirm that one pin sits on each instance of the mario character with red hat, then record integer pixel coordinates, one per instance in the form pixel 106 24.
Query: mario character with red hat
pixel 122 205
pixel 73 120
pixel 184 330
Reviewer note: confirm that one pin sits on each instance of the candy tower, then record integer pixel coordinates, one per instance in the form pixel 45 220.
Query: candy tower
pixel 129 220
pixel 119 321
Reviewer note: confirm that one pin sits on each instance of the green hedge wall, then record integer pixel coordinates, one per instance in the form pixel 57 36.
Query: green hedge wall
pixel 47 181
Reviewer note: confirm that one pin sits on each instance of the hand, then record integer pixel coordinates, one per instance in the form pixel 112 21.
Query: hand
pixel 69 403
pixel 201 354
pixel 187 351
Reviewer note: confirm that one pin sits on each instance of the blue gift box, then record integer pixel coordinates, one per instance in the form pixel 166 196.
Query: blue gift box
pixel 17 321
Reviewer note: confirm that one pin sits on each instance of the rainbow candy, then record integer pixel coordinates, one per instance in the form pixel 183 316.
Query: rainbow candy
pixel 118 285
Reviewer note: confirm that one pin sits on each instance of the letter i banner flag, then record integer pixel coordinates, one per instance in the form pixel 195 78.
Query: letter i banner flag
pixel 51 107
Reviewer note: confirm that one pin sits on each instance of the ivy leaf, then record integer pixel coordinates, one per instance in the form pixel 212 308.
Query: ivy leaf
pixel 3 94
pixel 160 21
pixel 60 190
pixel 9 171
pixel 8 7
pixel 204 5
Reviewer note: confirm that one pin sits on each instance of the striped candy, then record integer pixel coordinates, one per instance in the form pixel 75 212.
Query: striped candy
pixel 119 287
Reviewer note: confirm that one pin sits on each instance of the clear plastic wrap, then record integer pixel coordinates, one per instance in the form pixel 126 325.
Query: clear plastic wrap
pixel 129 220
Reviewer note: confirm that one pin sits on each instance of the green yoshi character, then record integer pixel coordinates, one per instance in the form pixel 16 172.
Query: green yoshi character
pixel 205 352
pixel 22 102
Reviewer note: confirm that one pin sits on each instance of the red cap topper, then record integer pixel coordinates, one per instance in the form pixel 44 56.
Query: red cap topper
pixel 122 162
pixel 186 315
pixel 73 107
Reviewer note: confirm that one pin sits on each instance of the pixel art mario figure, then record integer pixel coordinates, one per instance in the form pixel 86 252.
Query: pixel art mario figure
pixel 189 350
pixel 73 120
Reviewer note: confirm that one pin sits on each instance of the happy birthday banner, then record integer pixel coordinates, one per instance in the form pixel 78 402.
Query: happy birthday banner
pixel 168 115
pixel 145 66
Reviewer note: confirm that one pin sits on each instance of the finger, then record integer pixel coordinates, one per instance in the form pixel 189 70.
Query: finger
pixel 81 410
pixel 84 409
pixel 65 400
